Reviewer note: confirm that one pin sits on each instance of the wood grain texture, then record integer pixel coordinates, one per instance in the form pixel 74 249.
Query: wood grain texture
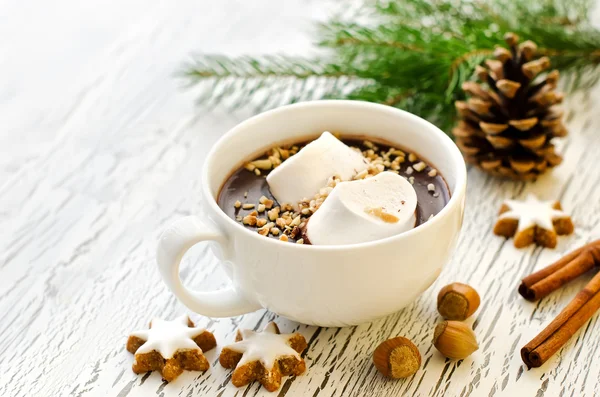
pixel 100 150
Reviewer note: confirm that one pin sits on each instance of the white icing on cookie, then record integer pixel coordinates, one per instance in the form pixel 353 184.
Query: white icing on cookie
pixel 266 346
pixel 533 212
pixel 166 337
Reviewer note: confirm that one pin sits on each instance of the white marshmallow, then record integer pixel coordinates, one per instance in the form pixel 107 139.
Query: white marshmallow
pixel 302 175
pixel 364 210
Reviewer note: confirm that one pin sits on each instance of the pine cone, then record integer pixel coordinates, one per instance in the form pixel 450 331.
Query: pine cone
pixel 507 125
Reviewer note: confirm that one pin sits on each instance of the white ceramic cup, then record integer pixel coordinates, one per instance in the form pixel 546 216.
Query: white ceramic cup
pixel 318 285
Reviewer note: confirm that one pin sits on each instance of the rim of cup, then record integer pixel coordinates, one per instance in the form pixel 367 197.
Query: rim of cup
pixel 448 144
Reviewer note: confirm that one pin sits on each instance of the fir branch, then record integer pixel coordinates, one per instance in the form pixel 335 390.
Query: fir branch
pixel 271 80
pixel 412 54
pixel 219 66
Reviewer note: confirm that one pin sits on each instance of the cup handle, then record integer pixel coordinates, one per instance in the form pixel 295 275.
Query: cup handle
pixel 173 244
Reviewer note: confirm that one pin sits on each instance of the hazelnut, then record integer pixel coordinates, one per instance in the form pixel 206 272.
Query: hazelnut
pixel 397 358
pixel 454 339
pixel 457 301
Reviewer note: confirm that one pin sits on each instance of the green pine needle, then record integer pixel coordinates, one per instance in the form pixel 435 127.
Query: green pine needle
pixel 411 54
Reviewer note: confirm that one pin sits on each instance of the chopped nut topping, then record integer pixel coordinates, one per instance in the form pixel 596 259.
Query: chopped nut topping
pixel 325 191
pixel 333 181
pixel 280 222
pixel 296 221
pixel 295 231
pixel 285 154
pixel 273 214
pixel 369 144
pixel 420 166
pixel 361 175
pixel 381 214
pixel 263 164
pixel 300 241
pixel 288 220
pixel 266 228
pixel 397 152
pixel 275 160
pixel 268 203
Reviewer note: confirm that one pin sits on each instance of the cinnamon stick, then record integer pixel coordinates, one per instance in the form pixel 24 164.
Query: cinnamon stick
pixel 560 330
pixel 543 282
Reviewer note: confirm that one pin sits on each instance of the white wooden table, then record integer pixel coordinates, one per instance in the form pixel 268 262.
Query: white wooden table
pixel 100 149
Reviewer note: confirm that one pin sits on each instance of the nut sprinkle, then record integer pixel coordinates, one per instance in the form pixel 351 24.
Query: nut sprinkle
pixel 255 208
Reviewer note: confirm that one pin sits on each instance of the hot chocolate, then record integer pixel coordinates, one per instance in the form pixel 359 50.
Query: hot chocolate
pixel 246 197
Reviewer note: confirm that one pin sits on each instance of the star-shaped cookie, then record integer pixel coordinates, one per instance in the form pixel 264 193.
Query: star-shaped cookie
pixel 264 356
pixel 170 347
pixel 533 221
